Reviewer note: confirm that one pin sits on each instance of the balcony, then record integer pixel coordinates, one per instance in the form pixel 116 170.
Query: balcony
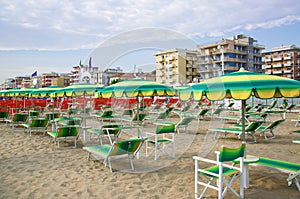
pixel 277 66
pixel 169 66
pixel 287 58
pixel 170 72
pixel 267 60
pixel 171 58
pixel 268 66
pixel 277 59
pixel 189 66
pixel 287 71
pixel 194 66
pixel 268 72
pixel 170 81
pixel 159 59
pixel 159 74
pixel 159 67
pixel 277 72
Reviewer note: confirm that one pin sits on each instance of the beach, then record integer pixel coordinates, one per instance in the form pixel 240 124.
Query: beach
pixel 33 167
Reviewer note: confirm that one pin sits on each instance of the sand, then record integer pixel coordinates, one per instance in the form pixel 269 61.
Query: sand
pixel 33 167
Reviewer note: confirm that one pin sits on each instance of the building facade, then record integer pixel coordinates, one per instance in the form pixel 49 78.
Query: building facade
pixel 46 78
pixel 177 66
pixel 62 81
pixel 283 61
pixel 230 55
pixel 103 77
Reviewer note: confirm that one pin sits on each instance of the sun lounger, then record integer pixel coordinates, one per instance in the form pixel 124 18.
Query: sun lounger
pixel 105 115
pixel 184 122
pixel 270 128
pixel 160 115
pixel 135 119
pixel 297 120
pixel 236 119
pixel 288 167
pixel 36 124
pixel 65 133
pixel 121 149
pixel 200 115
pixel 249 130
pixel 109 131
pixel 17 118
pixel 215 113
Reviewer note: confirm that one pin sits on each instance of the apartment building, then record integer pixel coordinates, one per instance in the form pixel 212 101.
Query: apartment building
pixel 177 66
pixel 46 78
pixel 21 82
pixel 283 61
pixel 229 55
pixel 62 81
pixel 103 77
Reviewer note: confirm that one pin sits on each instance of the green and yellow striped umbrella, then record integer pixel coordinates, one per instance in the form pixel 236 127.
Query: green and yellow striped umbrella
pixel 81 89
pixel 136 88
pixel 242 85
pixel 15 92
pixel 9 92
pixel 44 92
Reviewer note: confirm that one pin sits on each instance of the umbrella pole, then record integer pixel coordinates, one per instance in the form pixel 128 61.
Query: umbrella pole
pixel 138 108
pixel 243 119
pixel 84 119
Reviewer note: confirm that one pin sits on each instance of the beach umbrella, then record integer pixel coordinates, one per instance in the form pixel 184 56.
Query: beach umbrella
pixel 16 92
pixel 44 92
pixel 9 92
pixel 242 85
pixel 80 89
pixel 135 88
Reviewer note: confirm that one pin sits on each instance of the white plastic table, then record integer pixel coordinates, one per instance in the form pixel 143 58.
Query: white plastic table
pixel 249 159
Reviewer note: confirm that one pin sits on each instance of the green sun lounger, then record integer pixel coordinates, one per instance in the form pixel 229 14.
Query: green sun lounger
pixel 268 128
pixel 249 130
pixel 109 131
pixel 135 119
pixel 65 133
pixel 121 149
pixel 292 168
pixel 36 124
pixel 18 118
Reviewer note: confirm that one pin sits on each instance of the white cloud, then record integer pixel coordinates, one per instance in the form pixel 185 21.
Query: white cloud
pixel 273 23
pixel 96 21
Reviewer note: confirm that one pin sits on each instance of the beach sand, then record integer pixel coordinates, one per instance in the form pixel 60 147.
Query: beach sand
pixel 33 167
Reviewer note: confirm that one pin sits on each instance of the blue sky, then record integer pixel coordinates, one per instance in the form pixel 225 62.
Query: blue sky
pixel 54 35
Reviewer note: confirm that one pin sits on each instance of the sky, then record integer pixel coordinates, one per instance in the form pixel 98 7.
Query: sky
pixel 54 35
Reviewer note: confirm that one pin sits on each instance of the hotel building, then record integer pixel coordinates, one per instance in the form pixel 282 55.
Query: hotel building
pixel 230 55
pixel 283 61
pixel 176 66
